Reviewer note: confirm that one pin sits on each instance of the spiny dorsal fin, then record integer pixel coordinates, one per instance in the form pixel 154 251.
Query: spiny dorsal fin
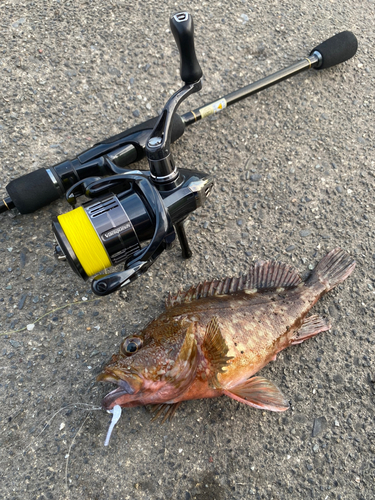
pixel 262 276
pixel 215 350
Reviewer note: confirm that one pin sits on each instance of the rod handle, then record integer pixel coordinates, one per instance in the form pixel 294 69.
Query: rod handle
pixel 182 27
pixel 336 49
pixel 33 191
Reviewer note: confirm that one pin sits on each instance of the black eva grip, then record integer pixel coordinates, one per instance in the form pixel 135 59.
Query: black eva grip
pixel 182 28
pixel 337 49
pixel 33 191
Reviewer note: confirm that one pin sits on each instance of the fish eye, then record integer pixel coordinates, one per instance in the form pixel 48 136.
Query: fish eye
pixel 131 345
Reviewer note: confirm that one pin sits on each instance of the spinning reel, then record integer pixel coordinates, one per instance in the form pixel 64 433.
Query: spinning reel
pixel 132 215
pixel 131 208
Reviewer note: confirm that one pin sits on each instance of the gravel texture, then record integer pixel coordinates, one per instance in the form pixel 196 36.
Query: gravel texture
pixel 294 172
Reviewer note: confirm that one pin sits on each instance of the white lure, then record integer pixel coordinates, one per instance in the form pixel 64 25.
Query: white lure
pixel 116 412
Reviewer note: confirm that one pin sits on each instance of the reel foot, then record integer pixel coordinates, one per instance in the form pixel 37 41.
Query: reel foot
pixel 182 238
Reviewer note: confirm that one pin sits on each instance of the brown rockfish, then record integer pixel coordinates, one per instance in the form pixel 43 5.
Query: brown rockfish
pixel 213 338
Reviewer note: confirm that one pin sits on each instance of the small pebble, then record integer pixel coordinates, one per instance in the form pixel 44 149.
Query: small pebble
pixel 22 301
pixel 319 425
pixel 17 23
pixel 136 113
pixel 304 233
pixel 14 343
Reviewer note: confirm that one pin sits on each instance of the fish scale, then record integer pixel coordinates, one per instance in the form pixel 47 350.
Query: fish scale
pixel 214 337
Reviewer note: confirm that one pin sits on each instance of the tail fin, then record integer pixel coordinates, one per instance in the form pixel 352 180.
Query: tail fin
pixel 333 269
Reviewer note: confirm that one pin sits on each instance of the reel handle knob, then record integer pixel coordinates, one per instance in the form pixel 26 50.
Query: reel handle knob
pixel 182 28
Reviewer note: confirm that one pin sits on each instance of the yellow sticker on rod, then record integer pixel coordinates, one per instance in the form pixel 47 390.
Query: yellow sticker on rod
pixel 213 108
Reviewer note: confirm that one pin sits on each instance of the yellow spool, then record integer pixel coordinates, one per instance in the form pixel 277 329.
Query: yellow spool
pixel 84 241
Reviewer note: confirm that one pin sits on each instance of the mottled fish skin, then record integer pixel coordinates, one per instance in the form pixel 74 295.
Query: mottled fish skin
pixel 213 338
pixel 255 325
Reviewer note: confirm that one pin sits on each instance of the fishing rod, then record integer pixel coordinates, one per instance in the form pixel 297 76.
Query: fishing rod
pixel 134 215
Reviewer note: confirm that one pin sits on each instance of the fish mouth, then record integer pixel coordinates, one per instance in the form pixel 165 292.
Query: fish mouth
pixel 121 395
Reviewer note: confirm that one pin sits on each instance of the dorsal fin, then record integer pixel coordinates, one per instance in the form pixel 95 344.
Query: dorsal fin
pixel 262 276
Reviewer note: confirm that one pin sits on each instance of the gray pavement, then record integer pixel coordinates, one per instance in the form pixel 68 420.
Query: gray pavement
pixel 294 173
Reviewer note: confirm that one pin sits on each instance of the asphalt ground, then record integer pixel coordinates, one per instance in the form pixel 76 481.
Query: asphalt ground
pixel 294 173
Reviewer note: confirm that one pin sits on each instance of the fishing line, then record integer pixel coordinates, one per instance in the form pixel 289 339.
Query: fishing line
pixel 47 313
pixel 84 241
pixel 68 454
pixel 74 405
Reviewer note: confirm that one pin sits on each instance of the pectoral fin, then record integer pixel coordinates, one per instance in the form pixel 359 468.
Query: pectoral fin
pixel 259 393
pixel 215 350
pixel 185 367
pixel 311 327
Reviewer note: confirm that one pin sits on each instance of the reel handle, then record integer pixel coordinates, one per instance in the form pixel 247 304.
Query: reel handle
pixel 182 28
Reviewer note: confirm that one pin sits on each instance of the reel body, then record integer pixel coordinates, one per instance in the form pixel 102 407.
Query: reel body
pixel 132 226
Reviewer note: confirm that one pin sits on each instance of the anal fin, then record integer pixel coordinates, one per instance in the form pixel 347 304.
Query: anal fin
pixel 311 327
pixel 259 393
